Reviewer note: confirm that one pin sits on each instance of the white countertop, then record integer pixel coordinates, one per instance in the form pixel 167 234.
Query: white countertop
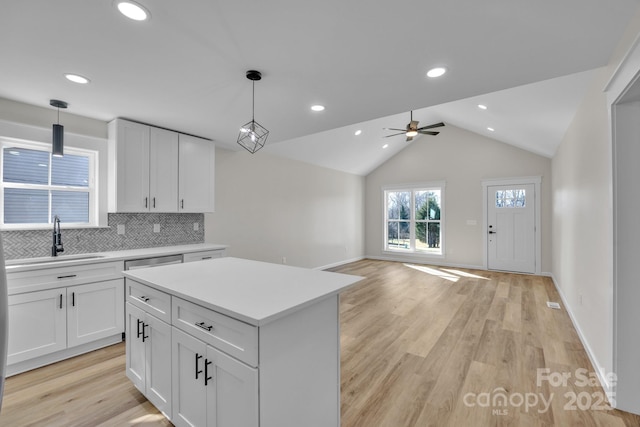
pixel 251 291
pixel 16 265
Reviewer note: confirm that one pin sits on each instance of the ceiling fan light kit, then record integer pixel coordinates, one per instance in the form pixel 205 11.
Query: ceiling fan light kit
pixel 412 129
pixel 253 135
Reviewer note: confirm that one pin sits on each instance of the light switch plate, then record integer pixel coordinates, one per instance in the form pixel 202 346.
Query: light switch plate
pixel 156 228
pixel 120 228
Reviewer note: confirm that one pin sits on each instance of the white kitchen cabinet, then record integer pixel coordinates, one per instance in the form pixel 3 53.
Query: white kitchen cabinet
pixel 203 256
pixel 37 324
pixel 143 168
pixel 94 311
pixel 148 360
pixel 196 175
pixel 163 170
pixel 158 170
pixel 211 388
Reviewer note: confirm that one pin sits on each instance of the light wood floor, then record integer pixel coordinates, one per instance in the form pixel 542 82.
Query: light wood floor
pixel 420 346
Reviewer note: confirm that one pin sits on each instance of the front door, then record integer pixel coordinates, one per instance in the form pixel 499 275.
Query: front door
pixel 511 228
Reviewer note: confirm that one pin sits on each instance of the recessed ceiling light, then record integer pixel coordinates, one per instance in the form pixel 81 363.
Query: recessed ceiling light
pixel 482 106
pixel 490 129
pixel 358 132
pixel 317 107
pixel 133 10
pixel 436 72
pixel 76 78
pixel 385 146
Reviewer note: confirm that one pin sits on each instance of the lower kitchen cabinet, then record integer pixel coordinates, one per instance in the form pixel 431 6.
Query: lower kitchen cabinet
pixel 94 311
pixel 148 349
pixel 211 388
pixel 37 326
pixel 44 322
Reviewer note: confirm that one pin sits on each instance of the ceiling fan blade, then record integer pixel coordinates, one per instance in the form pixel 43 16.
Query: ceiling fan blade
pixel 399 130
pixel 428 132
pixel 435 125
pixel 395 134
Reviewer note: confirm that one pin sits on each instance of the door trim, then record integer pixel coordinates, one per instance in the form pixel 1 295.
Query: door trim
pixel 533 180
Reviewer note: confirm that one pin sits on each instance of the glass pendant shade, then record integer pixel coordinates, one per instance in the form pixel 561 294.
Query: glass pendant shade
pixel 253 135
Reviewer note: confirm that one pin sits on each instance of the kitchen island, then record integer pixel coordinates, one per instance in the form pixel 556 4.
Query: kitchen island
pixel 234 342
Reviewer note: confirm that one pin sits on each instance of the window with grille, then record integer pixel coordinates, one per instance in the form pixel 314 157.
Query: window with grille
pixel 36 186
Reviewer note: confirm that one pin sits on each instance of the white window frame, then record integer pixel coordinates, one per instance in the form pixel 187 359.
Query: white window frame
pixel 412 188
pixel 91 189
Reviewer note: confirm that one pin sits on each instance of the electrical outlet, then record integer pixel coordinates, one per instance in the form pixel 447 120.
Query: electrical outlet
pixel 196 226
pixel 120 228
pixel 156 228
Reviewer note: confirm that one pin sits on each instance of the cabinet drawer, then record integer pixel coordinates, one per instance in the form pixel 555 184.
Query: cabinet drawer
pixel 232 336
pixel 47 278
pixel 200 256
pixel 148 299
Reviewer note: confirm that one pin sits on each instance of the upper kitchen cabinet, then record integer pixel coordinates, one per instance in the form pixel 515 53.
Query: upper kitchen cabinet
pixel 158 170
pixel 196 174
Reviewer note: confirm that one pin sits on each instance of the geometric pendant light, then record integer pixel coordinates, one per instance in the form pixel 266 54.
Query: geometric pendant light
pixel 253 135
pixel 58 130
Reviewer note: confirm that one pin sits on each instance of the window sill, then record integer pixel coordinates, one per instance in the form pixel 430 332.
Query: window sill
pixel 49 227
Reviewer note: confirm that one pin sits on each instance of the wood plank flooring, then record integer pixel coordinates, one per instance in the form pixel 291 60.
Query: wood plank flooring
pixel 421 346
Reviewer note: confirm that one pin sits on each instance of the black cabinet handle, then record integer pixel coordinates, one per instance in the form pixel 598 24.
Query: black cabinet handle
pixel 207 378
pixel 73 299
pixel 146 202
pixel 207 257
pixel 145 299
pixel 198 357
pixel 60 301
pixel 144 327
pixel 68 276
pixel 140 322
pixel 203 326
pixel 154 202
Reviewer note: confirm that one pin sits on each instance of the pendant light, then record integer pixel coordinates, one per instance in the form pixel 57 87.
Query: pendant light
pixel 57 147
pixel 253 135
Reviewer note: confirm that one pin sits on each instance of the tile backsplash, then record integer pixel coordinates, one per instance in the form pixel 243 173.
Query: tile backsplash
pixel 175 229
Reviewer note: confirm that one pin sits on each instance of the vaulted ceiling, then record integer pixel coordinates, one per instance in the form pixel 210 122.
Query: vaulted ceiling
pixel 184 68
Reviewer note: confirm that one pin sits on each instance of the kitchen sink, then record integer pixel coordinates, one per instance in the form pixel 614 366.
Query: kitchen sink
pixel 50 260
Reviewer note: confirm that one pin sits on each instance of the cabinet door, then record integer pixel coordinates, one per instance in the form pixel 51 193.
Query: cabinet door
pixel 95 311
pixel 232 391
pixel 130 178
pixel 163 171
pixel 158 363
pixel 37 324
pixel 196 175
pixel 135 348
pixel 189 391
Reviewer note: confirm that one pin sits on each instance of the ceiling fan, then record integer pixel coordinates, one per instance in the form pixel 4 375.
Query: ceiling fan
pixel 413 129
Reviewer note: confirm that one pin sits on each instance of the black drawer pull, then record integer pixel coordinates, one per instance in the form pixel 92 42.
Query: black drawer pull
pixel 67 276
pixel 198 357
pixel 207 378
pixel 207 257
pixel 203 326
pixel 145 299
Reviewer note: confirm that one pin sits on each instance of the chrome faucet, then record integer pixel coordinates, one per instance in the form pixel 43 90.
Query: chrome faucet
pixel 57 237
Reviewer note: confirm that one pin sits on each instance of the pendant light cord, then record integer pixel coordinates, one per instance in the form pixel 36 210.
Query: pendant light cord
pixel 253 101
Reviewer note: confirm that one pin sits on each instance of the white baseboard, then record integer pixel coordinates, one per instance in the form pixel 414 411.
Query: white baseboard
pixel 339 263
pixel 608 388
pixel 426 261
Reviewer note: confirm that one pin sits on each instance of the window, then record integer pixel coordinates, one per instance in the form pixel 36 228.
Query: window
pixel 36 186
pixel 413 219
pixel 511 198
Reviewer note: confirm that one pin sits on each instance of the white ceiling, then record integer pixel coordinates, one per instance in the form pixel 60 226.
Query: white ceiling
pixel 365 60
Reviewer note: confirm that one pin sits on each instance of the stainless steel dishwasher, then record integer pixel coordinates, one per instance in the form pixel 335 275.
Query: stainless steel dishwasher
pixel 135 264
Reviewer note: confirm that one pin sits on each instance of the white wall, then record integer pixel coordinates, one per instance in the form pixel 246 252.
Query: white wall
pixel 582 216
pixel 269 207
pixel 463 159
